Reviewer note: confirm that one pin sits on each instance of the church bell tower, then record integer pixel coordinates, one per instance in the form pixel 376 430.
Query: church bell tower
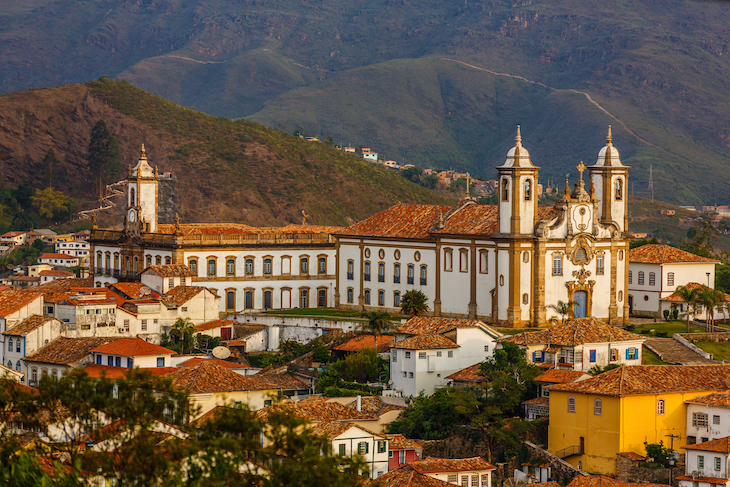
pixel 610 182
pixel 517 191
pixel 142 194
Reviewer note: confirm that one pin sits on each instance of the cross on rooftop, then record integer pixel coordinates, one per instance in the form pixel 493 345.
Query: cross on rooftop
pixel 581 167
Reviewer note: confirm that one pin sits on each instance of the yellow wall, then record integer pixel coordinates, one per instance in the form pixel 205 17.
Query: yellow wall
pixel 624 425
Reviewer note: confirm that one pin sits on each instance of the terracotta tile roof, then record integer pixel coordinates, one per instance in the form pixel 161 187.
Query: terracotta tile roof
pixel 358 343
pixel 12 234
pixel 57 273
pixel 97 371
pixel 378 405
pixel 556 376
pixel 223 363
pixel 707 480
pixel 333 429
pixel 472 373
pixel 133 347
pixel 663 254
pixel 634 457
pixel 284 382
pixel 400 442
pixel 67 351
pixel 29 324
pixel 653 379
pixel 470 219
pixel 720 445
pixel 576 332
pixel 245 330
pixel 210 325
pixel 429 341
pixel 676 298
pixel 721 399
pixel 133 290
pixel 63 285
pixel 179 295
pixel 210 229
pixel 399 221
pixel 552 483
pixel 57 256
pixel 313 399
pixel 603 481
pixel 538 401
pixel 419 325
pixel 171 270
pixel 209 378
pixel 295 228
pixel 317 411
pixel 435 465
pixel 406 476
pixel 11 301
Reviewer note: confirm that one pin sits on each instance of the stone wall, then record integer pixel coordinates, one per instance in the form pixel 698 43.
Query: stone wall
pixel 561 470
pixel 706 337
pixel 628 471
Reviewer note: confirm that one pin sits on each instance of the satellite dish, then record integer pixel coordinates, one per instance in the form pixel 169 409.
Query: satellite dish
pixel 221 353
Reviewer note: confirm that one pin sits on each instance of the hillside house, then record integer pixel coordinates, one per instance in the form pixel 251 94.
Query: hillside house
pixel 61 260
pixel 475 472
pixel 162 278
pixel 132 352
pixel 402 450
pixel 217 328
pixel 16 306
pixel 706 464
pixel 539 407
pixel 13 238
pixel 74 248
pixel 708 417
pixel 27 337
pixel 427 350
pixel 53 274
pixel 60 356
pixel 349 439
pixel 580 345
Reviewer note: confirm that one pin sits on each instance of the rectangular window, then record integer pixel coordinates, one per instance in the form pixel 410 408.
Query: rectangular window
pixel 451 354
pixel 571 404
pixel 715 419
pixel 322 265
pixel 614 354
pixel 118 361
pixel 438 354
pixel 381 272
pixel 249 266
pixel 230 267
pixel 98 359
pixel 304 298
pixel 557 265
pixel 475 481
pixel 652 279
pixel 193 264
pixel 144 325
pixel 718 464
pixel 670 279
pixel 350 295
pixel 395 356
pixel 342 448
pixel 592 356
pixel 211 267
pixel 452 478
pixel 130 363
pixel 422 355
pixel 410 375
pixel 632 353
pixel 366 272
pixel 396 273
pixel 408 354
pixel 350 270
pixel 381 298
pixel 660 406
pixel 699 419
pixel 631 277
pixel 304 265
pixel 700 461
pixel 463 261
pixel 424 275
pixel 641 278
pixel 381 446
pixel 464 481
pixel 402 457
pixel 485 480
pixel 160 361
pixel 448 259
pixel 396 299
pixel 110 361
pixel 599 265
pixel 267 266
pixel 363 447
pixel 597 407
pixel 367 296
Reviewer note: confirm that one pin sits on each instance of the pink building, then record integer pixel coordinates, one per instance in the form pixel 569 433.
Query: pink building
pixel 402 451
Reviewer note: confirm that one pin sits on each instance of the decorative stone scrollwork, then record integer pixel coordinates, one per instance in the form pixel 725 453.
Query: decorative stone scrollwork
pixel 582 251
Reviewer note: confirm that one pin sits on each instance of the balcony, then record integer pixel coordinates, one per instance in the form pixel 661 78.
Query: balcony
pixel 396 279
pixel 423 281
pixel 367 277
pixel 410 279
pixel 350 276
pixel 381 277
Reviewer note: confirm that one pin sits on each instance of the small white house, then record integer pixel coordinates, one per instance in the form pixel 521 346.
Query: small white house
pixel 62 260
pixel 60 356
pixel 708 417
pixel 74 248
pixel 132 352
pixel 27 337
pixel 164 277
pixel 706 464
pixel 474 472
pixel 349 439
pixel 16 306
pixel 53 274
pixel 427 350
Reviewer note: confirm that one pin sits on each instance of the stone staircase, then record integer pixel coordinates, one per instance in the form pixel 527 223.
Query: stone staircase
pixel 673 352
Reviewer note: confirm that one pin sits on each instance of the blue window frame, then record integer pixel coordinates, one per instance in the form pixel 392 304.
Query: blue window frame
pixel 592 356
pixel 118 361
pixel 160 361
pixel 130 363
pixel 98 359
pixel 110 361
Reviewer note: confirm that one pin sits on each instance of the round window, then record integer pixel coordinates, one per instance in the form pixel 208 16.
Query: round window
pixel 396 254
pixel 417 256
pixel 501 280
pixel 646 298
pixel 381 253
pixel 367 253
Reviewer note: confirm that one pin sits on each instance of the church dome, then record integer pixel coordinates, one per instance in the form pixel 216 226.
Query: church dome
pixel 608 155
pixel 143 169
pixel 518 156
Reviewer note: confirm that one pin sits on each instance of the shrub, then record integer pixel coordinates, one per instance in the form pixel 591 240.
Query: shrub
pixel 666 315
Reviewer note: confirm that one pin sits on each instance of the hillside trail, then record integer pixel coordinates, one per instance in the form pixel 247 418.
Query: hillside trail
pixel 588 97
pixel 106 202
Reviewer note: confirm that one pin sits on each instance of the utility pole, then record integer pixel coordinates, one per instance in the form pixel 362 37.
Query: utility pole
pixel 672 460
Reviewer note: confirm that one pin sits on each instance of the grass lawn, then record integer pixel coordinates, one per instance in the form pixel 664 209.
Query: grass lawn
pixel 650 358
pixel 670 328
pixel 326 313
pixel 719 351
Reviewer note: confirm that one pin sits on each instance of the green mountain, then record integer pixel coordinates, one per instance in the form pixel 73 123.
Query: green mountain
pixel 383 74
pixel 223 170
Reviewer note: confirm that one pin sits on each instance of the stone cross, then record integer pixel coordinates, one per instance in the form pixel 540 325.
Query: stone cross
pixel 580 167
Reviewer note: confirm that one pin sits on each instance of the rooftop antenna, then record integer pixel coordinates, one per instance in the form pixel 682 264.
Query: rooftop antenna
pixel 651 182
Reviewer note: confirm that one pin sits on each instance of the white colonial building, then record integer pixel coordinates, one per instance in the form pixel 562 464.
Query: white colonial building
pixel 504 263
pixel 706 464
pixel 250 268
pixel 708 417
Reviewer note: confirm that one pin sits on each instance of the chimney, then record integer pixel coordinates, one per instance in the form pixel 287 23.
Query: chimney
pixel 358 403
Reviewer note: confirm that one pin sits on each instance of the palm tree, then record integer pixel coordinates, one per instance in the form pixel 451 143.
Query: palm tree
pixel 378 324
pixel 413 303
pixel 563 308
pixel 711 299
pixel 691 297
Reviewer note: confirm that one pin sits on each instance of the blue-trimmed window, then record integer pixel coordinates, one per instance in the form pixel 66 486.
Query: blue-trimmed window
pixel 592 355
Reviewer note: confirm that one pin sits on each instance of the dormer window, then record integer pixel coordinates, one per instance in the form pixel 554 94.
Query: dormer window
pixel 528 189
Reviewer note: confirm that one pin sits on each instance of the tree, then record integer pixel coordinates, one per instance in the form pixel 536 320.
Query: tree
pixel 103 154
pixel 378 324
pixel 563 308
pixel 509 377
pixel 50 161
pixel 690 297
pixel 182 335
pixel 437 416
pixel 412 174
pixel 657 453
pixel 701 240
pixel 641 242
pixel 413 303
pixel 711 299
pixel 52 204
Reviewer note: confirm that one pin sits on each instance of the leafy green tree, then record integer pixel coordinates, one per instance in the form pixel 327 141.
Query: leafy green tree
pixel 378 324
pixel 642 241
pixel 690 298
pixel 22 195
pixel 657 453
pixel 509 378
pixel 711 299
pixel 431 181
pixel 489 200
pixel 52 204
pixel 182 336
pixel 50 162
pixel 363 366
pixel 38 245
pixel 414 303
pixel 412 174
pixel 701 240
pixel 437 416
pixel 103 155
pixel 563 308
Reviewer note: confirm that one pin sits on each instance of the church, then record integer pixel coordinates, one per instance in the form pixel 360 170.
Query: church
pixel 506 264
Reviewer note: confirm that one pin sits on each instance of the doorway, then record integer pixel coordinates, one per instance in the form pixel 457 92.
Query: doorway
pixel 580 305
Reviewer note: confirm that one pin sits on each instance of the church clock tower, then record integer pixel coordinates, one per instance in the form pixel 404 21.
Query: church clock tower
pixel 142 187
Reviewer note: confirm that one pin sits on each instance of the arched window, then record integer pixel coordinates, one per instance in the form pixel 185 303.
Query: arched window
pixel 528 189
pixel 580 255
pixel 127 267
pixel 463 260
pixel 448 259
pixel 571 404
pixel 230 300
pixel 158 260
pixel 396 299
pixel 10 364
pixel 17 365
pixel 322 265
pixel 211 267
pixel 10 344
pixel 249 266
pixel 17 342
pixel 641 278
pixel 98 259
pixel 304 265
pixel 411 273
pixel 367 296
pixel 350 269
pixel 557 265
pixel 248 299
pixel 599 265
pixel 381 298
pixel 132 197
pixel 116 261
pixel 149 261
pixel 366 272
pixel 597 407
pixel 350 295
pixel 619 189
pixel 381 272
pixel 396 273
pixel 267 266
pixel 505 189
pixel 108 261
pixel 670 279
pixel 483 262
pixel 231 267
pixel 136 264
pixel 168 260
pixel 304 298
pixel 660 406
pixel 424 275
pixel 652 279
pixel 193 264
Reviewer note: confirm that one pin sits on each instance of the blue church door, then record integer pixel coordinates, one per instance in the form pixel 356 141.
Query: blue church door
pixel 580 307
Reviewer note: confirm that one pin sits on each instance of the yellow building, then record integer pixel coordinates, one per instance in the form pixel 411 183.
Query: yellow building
pixel 593 420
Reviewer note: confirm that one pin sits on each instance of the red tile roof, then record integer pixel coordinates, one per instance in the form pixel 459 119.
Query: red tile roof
pixel 358 343
pixel 210 325
pixel 209 229
pixel 419 325
pixel 378 405
pixel 223 363
pixel 133 290
pixel 429 341
pixel 557 376
pixel 400 221
pixel 539 401
pixel 676 298
pixel 406 476
pixel 721 399
pixel 435 465
pixel 209 378
pixel 652 379
pixel 720 445
pixel 97 371
pixel 317 411
pixel 133 347
pixel 400 442
pixel 472 373
pixel 29 324
pixel 57 256
pixel 67 351
pixel 333 429
pixel 179 295
pixel 576 332
pixel 11 301
pixel 57 273
pixel 707 480
pixel 634 457
pixel 171 270
pixel 603 481
pixel 296 228
pixel 664 254
pixel 63 285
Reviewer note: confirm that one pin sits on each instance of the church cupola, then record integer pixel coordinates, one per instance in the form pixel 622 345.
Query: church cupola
pixel 517 190
pixel 609 179
pixel 142 187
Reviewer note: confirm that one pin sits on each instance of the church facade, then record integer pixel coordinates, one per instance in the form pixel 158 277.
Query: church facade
pixel 507 264
pixel 250 268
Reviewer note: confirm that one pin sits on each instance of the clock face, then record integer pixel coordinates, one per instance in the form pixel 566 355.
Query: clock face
pixel 132 216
